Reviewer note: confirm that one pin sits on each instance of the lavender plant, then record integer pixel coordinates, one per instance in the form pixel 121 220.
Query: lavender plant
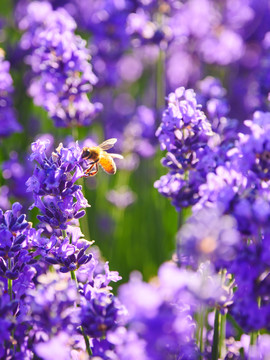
pixel 62 75
pixel 38 266
pixel 209 60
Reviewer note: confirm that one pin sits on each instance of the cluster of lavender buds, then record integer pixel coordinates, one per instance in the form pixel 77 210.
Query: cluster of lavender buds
pixel 184 133
pixel 229 226
pixel 161 314
pixel 61 72
pixel 55 292
pixel 57 196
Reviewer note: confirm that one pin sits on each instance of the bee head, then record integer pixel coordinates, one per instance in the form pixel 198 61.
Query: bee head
pixel 86 153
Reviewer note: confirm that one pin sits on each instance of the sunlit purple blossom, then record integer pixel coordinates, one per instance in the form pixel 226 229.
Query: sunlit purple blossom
pixel 183 123
pixel 67 255
pixel 96 274
pixel 127 344
pixel 208 235
pixel 261 350
pixel 184 132
pixel 100 313
pixel 254 148
pixel 243 196
pixel 51 307
pixel 60 346
pixel 204 287
pixel 163 323
pixel 13 247
pixel 251 308
pixel 211 94
pixel 62 74
pixel 53 184
pixel 183 191
pixel 145 27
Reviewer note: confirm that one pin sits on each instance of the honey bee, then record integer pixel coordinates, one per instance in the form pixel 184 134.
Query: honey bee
pixel 98 155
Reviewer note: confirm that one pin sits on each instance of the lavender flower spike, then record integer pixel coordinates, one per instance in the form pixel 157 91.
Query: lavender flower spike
pixel 62 74
pixel 184 132
pixel 57 196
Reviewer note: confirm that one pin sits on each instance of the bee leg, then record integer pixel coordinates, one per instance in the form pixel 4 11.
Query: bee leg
pixel 88 171
pixel 94 172
pixel 91 171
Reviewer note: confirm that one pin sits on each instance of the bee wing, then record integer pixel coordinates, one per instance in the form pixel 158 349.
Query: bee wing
pixel 116 156
pixel 107 144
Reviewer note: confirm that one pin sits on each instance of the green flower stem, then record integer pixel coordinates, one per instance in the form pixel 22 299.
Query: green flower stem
pixel 75 133
pixel 74 278
pixel 222 345
pixel 160 86
pixel 201 328
pixel 200 319
pixel 84 220
pixel 216 336
pixel 255 334
pixel 253 338
pixel 9 282
pixel 86 339
pixel 180 220
pixel 10 288
pixel 87 343
pixel 160 72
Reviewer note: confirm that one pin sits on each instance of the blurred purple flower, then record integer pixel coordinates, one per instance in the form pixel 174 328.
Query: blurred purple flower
pixel 59 346
pixel 261 350
pixel 128 345
pixel 4 198
pixel 208 235
pixel 8 120
pixel 254 148
pixel 51 305
pixel 99 313
pixel 62 75
pixel 163 322
pixel 16 173
pixel 121 198
pixel 106 22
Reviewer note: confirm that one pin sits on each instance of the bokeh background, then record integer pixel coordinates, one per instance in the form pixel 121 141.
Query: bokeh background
pixel 141 50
